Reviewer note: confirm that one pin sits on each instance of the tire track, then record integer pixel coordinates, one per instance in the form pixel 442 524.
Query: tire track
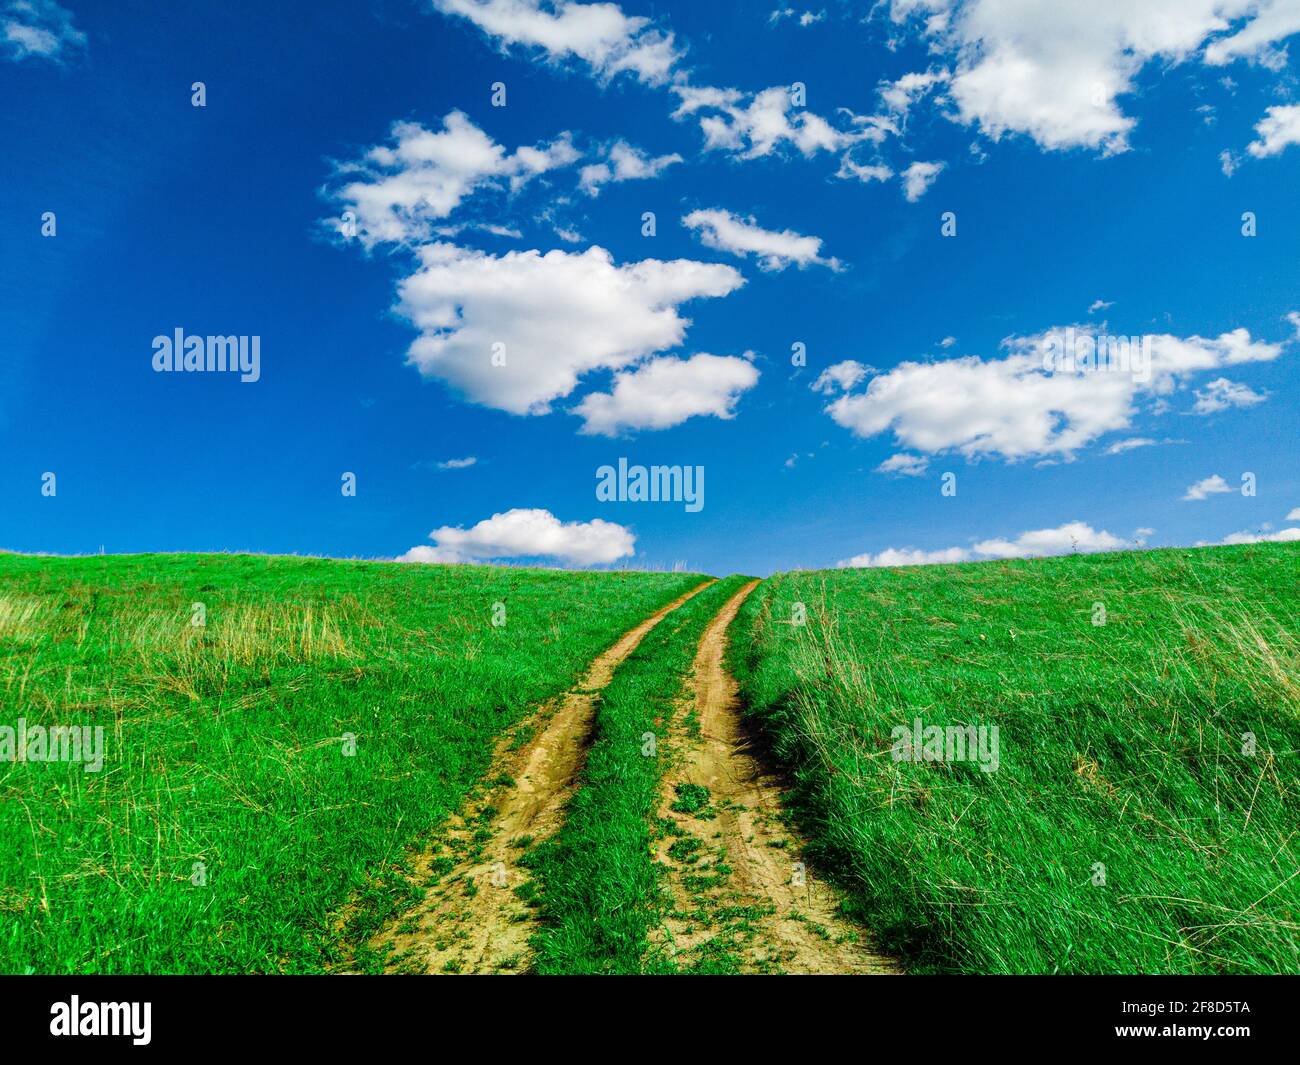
pixel 742 896
pixel 477 914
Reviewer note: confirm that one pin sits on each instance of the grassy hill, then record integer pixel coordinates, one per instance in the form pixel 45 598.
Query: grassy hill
pixel 279 732
pixel 260 765
pixel 1145 812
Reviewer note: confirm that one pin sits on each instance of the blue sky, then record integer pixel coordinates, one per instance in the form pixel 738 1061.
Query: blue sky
pixel 350 195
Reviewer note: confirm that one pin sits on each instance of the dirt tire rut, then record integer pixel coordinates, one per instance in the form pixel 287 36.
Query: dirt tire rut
pixel 742 896
pixel 477 918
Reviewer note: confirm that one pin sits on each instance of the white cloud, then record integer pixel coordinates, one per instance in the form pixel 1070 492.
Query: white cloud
pixel 1281 536
pixel 899 96
pixel 479 227
pixel 458 464
pixel 1013 407
pixel 906 556
pixel 1131 444
pixel 1294 515
pixel 623 163
pixel 724 231
pixel 1279 128
pixel 864 172
pixel 1074 536
pixel 1210 486
pixel 804 18
pixel 1070 537
pixel 1055 71
pixel 39 28
pixel 599 35
pixel 1222 394
pixel 666 391
pixel 1229 162
pixel 1272 21
pixel 905 465
pixel 523 533
pixel 556 317
pixel 918 178
pixel 397 191
pixel 757 125
pixel 841 377
pixel 1100 305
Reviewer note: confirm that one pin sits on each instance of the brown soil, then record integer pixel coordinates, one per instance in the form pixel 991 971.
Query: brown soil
pixel 742 897
pixel 477 918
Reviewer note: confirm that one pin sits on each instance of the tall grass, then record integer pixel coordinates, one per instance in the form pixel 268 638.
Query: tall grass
pixel 229 822
pixel 1145 816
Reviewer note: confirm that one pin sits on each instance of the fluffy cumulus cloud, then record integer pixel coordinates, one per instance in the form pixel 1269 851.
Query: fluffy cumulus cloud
pixel 1266 23
pixel 599 35
pixel 1222 394
pixel 38 29
pixel 1015 407
pixel 623 162
pixel 1056 72
pixel 906 556
pixel 1279 536
pixel 521 533
pixel 774 250
pixel 516 332
pixel 664 392
pixel 1210 486
pixel 918 178
pixel 1279 128
pixel 1073 536
pixel 904 465
pixel 841 376
pixel 397 191
pixel 748 124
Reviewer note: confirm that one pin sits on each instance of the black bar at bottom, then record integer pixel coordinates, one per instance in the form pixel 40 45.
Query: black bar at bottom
pixel 216 1013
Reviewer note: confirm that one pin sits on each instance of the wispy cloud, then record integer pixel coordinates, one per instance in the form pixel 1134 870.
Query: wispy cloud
pixel 38 29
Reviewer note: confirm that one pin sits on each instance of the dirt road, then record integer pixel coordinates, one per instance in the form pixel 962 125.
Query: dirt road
pixel 477 917
pixel 743 897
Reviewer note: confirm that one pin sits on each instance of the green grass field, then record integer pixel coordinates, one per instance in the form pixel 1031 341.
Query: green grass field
pixel 225 743
pixel 269 773
pixel 1158 751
